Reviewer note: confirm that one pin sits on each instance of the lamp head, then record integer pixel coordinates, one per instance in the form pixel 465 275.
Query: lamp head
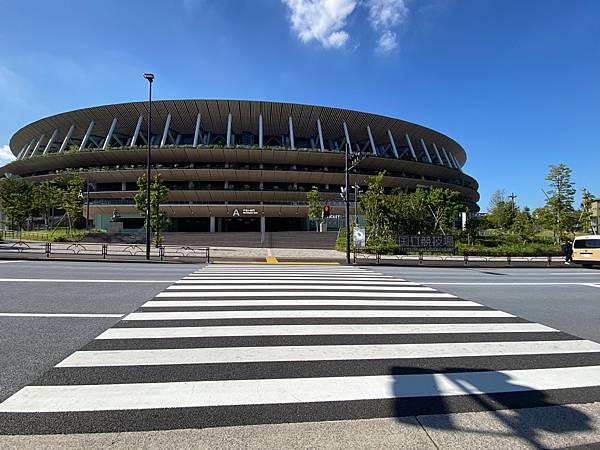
pixel 149 77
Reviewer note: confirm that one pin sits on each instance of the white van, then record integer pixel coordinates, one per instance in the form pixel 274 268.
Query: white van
pixel 586 250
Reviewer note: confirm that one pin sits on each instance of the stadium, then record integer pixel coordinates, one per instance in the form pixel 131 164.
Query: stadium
pixel 233 165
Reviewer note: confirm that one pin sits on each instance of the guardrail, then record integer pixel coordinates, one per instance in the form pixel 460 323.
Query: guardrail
pixel 466 259
pixel 105 251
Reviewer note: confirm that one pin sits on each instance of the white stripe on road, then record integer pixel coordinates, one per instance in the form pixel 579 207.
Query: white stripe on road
pixel 302 278
pixel 229 355
pixel 8 262
pixel 592 285
pixel 215 294
pixel 308 314
pixel 66 280
pixel 189 394
pixel 320 330
pixel 332 302
pixel 307 285
pixel 292 390
pixel 506 283
pixel 58 315
pixel 253 280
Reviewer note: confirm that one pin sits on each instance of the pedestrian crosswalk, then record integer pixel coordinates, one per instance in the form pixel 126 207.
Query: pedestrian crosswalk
pixel 231 345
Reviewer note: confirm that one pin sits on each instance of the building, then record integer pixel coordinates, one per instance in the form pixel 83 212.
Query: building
pixel 233 165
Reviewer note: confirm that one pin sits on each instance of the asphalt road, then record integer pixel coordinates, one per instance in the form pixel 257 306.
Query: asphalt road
pixel 30 345
pixel 95 296
pixel 559 298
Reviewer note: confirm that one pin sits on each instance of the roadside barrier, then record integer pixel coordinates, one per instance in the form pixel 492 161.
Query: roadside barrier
pixel 106 251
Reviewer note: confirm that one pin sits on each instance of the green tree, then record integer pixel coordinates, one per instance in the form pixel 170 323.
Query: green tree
pixel 159 193
pixel 502 212
pixel 559 199
pixel 409 211
pixel 444 204
pixel 315 206
pixel 72 199
pixel 45 198
pixel 377 210
pixel 585 215
pixel 15 200
pixel 473 227
pixel 523 225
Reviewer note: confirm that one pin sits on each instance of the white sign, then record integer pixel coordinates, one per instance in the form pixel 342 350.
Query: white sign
pixel 359 236
pixel 245 212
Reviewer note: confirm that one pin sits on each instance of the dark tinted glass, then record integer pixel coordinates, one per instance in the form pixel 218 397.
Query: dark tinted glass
pixel 587 243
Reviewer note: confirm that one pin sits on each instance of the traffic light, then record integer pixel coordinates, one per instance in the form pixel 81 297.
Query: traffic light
pixel 326 211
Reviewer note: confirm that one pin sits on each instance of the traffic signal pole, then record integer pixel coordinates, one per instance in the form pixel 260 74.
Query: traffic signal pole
pixel 347 205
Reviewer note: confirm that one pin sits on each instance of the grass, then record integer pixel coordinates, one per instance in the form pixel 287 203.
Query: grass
pixel 57 235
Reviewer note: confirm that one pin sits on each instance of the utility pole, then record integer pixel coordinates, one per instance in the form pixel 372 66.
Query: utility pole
pixel 150 78
pixel 347 203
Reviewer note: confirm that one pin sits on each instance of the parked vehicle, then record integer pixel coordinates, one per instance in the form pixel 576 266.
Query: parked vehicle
pixel 586 250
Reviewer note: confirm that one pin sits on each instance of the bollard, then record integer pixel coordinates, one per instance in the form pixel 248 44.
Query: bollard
pixel 48 249
pixel 508 260
pixel 549 260
pixel 420 258
pixel 466 259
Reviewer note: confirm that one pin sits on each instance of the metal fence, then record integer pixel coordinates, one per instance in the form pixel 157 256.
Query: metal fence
pixel 106 251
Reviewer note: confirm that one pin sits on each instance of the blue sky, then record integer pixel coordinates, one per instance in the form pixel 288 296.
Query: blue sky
pixel 517 83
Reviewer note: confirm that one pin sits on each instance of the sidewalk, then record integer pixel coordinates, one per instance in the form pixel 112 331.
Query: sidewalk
pixel 552 427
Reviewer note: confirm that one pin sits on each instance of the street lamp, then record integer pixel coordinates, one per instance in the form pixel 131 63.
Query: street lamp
pixel 357 191
pixel 354 161
pixel 150 78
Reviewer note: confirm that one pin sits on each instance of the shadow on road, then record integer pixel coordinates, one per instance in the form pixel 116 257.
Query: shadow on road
pixel 460 389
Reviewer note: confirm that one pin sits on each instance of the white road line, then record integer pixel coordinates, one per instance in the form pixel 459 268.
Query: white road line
pixel 307 285
pixel 506 283
pixel 309 314
pixel 58 315
pixel 183 303
pixel 591 272
pixel 319 330
pixel 10 261
pixel 190 394
pixel 592 285
pixel 216 294
pixel 66 280
pixel 294 277
pixel 230 355
pixel 293 281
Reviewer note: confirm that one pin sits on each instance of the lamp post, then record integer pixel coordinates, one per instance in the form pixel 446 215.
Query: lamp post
pixel 356 159
pixel 150 78
pixel 347 203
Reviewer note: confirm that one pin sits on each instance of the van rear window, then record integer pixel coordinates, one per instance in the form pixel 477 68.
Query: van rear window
pixel 586 243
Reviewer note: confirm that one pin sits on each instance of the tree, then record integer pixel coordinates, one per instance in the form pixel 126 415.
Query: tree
pixel 443 204
pixel 378 213
pixel 15 200
pixel 315 206
pixel 409 212
pixel 559 199
pixel 159 193
pixel 585 216
pixel 501 212
pixel 45 197
pixel 72 199
pixel 523 225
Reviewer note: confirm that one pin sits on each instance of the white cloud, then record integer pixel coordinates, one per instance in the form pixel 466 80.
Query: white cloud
pixel 387 42
pixel 383 16
pixel 6 155
pixel 325 21
pixel 321 20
